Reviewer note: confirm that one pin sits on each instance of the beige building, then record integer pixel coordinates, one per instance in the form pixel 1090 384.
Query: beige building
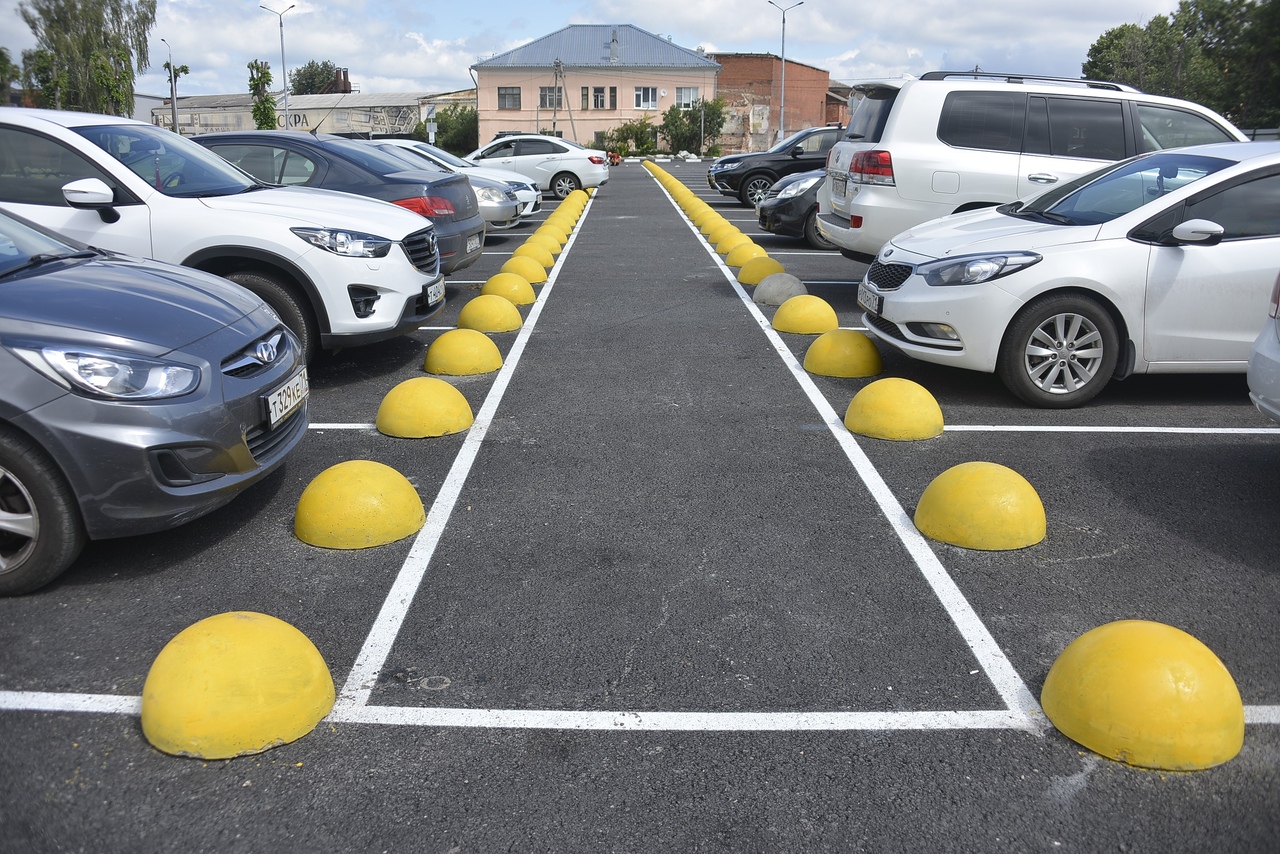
pixel 586 79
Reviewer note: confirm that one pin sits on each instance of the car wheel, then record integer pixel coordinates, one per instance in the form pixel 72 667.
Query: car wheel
pixel 754 189
pixel 812 235
pixel 564 184
pixel 285 304
pixel 1059 351
pixel 40 528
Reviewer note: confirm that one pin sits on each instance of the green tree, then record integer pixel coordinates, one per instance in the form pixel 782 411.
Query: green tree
pixel 87 52
pixel 693 128
pixel 264 106
pixel 635 136
pixel 457 129
pixel 312 78
pixel 9 74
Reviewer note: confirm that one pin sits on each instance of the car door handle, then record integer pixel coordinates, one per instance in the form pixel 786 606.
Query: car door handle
pixel 1042 178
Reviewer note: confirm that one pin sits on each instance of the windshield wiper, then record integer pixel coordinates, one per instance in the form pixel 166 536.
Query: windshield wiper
pixel 41 258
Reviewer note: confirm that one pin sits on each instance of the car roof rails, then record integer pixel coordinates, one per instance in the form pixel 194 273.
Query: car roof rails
pixel 1024 78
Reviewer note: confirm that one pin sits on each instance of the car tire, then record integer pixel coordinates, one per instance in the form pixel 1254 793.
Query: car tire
pixel 42 532
pixel 284 303
pixel 812 235
pixel 754 188
pixel 1059 351
pixel 565 183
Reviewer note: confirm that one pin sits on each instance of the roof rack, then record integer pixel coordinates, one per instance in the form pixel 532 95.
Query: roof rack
pixel 1023 78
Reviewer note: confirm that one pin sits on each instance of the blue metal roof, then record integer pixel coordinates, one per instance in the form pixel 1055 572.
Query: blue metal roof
pixel 593 46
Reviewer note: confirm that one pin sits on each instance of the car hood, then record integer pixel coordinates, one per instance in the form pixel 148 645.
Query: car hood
pixel 322 208
pixel 985 231
pixel 721 162
pixel 506 176
pixel 114 296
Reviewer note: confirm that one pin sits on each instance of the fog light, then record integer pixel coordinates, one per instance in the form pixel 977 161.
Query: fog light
pixel 939 330
pixel 855 221
pixel 362 299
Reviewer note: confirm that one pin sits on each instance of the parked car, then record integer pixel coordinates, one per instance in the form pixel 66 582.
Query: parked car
pixel 1158 264
pixel 135 396
pixel 790 208
pixel 749 176
pixel 527 192
pixel 329 162
pixel 496 201
pixel 340 271
pixel 949 142
pixel 557 166
pixel 1264 361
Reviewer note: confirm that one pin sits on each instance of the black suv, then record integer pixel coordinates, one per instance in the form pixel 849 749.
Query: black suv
pixel 749 176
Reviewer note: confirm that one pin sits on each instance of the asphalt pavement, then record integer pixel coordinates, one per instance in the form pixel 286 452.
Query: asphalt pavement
pixel 663 603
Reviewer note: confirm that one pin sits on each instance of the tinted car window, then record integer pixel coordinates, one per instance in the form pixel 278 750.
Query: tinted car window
pixel 33 169
pixel 539 146
pixel 260 161
pixel 172 164
pixel 1085 128
pixel 871 114
pixel 505 149
pixel 1165 127
pixel 1251 209
pixel 989 120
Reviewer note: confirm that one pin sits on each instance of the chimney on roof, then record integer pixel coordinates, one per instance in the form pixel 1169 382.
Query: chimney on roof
pixel 613 48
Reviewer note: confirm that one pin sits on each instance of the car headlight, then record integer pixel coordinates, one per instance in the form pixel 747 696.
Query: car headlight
pixel 491 194
pixel 355 244
pixel 111 375
pixel 799 187
pixel 975 269
pixel 725 167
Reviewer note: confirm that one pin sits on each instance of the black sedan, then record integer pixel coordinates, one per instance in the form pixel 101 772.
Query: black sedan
pixel 790 208
pixel 336 163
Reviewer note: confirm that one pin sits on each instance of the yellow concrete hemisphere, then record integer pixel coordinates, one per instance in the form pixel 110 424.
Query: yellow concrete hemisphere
pixel 894 408
pixel 553 231
pixel 721 232
pixel 708 224
pixel 536 252
pixel 743 253
pixel 983 506
pixel 425 406
pixel 462 352
pixel 1145 694
pixel 754 271
pixel 234 684
pixel 509 286
pixel 546 241
pixel 564 218
pixel 524 266
pixel 490 313
pixel 805 314
pixel 843 353
pixel 731 242
pixel 357 504
pixel 579 198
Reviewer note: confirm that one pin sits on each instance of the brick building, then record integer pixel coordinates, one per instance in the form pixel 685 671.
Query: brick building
pixel 751 85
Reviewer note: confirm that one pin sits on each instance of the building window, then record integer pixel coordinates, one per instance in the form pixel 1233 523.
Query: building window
pixel 508 97
pixel 550 97
pixel 685 96
pixel 646 97
pixel 586 97
pixel 613 97
pixel 597 97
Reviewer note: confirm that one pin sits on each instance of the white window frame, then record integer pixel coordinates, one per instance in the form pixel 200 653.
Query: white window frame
pixel 646 97
pixel 686 96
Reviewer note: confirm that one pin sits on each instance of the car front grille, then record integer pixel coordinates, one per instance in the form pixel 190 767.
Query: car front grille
pixel 259 355
pixel 888 277
pixel 421 249
pixel 264 442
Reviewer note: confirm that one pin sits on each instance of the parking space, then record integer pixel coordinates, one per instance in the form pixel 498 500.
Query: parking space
pixel 662 603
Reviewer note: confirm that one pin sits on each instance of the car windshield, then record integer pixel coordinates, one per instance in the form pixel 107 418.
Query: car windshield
pixel 411 157
pixel 1117 189
pixel 788 143
pixel 172 164
pixel 441 154
pixel 19 244
pixel 374 159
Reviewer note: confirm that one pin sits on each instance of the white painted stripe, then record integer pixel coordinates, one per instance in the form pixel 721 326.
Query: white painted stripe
pixel 382 635
pixel 42 701
pixel 1262 715
pixel 342 426
pixel 1033 428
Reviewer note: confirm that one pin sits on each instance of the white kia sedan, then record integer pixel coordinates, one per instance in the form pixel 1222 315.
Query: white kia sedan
pixel 558 166
pixel 1163 263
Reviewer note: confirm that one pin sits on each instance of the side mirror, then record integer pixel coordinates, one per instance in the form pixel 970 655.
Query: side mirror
pixel 797 151
pixel 92 194
pixel 1201 231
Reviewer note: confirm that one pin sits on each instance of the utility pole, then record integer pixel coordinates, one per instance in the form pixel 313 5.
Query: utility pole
pixel 284 71
pixel 173 89
pixel 782 110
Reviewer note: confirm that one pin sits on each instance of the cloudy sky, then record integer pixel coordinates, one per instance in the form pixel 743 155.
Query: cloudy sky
pixel 402 46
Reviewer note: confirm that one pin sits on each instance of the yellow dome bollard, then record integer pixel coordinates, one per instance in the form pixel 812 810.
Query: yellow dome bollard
pixel 509 286
pixel 424 407
pixel 357 505
pixel 1145 694
pixel 754 271
pixel 805 315
pixel 546 241
pixel 733 241
pixel 579 198
pixel 711 223
pixel 462 352
pixel 983 506
pixel 526 267
pixel 722 232
pixel 553 231
pixel 740 255
pixel 490 313
pixel 536 252
pixel 894 408
pixel 234 684
pixel 843 353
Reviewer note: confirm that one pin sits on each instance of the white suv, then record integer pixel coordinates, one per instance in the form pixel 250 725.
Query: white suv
pixel 918 149
pixel 339 269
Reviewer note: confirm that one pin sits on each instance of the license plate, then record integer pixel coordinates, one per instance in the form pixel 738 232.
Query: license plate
pixel 435 293
pixel 473 243
pixel 285 400
pixel 838 184
pixel 869 300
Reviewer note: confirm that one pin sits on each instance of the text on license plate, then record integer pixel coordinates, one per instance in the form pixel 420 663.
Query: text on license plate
pixel 872 302
pixel 838 183
pixel 285 400
pixel 435 293
pixel 473 242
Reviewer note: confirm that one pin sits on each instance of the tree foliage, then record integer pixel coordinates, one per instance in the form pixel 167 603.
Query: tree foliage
pixel 635 136
pixel 457 129
pixel 9 73
pixel 87 52
pixel 1224 54
pixel 693 128
pixel 312 78
pixel 264 106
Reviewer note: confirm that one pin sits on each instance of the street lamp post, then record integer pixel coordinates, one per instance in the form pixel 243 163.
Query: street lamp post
pixel 173 88
pixel 782 108
pixel 284 71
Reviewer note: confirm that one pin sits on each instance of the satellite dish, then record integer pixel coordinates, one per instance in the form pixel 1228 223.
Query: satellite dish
pixel 664 93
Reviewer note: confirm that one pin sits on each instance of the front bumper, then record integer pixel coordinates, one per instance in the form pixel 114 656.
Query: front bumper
pixel 1264 372
pixel 460 243
pixel 784 217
